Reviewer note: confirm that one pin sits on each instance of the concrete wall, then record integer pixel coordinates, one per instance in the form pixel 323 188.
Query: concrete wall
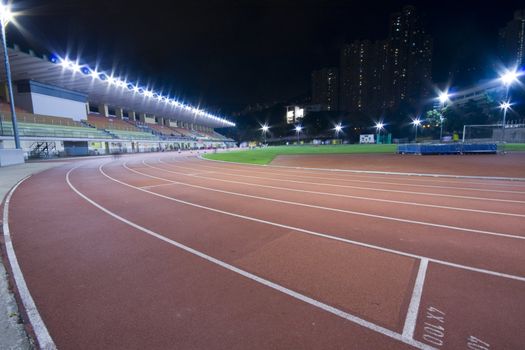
pixel 11 157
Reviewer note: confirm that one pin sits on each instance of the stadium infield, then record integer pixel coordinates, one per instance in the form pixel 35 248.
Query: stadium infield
pixel 168 251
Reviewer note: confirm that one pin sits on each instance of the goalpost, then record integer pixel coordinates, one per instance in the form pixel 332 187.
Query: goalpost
pixel 514 133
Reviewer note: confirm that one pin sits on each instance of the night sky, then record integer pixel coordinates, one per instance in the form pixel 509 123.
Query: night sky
pixel 227 54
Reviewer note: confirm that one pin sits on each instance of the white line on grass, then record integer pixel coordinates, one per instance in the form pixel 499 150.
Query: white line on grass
pixel 39 328
pixel 350 212
pixel 343 314
pixel 313 233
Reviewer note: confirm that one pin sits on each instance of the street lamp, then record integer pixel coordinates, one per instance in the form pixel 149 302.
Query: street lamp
pixel 264 130
pixel 298 129
pixel 379 127
pixel 504 106
pixel 443 97
pixel 416 122
pixel 5 17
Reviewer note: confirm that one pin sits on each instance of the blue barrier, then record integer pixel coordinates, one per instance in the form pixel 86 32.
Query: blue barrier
pixel 453 148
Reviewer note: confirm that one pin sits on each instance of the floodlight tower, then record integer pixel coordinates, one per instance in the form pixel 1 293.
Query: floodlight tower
pixel 416 122
pixel 298 129
pixel 507 79
pixel 338 128
pixel 379 127
pixel 443 97
pixel 264 130
pixel 5 17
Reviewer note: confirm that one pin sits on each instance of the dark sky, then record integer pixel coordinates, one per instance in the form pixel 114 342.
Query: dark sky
pixel 230 53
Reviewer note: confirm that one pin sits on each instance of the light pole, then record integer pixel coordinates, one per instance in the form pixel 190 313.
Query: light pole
pixel 298 129
pixel 379 127
pixel 264 130
pixel 6 16
pixel 338 128
pixel 507 79
pixel 444 97
pixel 416 122
pixel 504 106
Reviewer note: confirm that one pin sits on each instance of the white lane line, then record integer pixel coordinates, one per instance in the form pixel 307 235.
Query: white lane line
pixel 335 311
pixel 376 189
pixel 39 328
pixel 413 308
pixel 502 178
pixel 296 175
pixel 350 212
pixel 313 233
pixel 239 167
pixel 332 194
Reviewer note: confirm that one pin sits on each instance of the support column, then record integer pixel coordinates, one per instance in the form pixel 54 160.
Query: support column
pixel 142 117
pixel 160 120
pixel 131 115
pixel 119 113
pixel 103 110
pixel 87 108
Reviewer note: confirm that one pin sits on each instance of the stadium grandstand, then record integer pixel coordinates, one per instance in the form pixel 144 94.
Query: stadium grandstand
pixel 66 108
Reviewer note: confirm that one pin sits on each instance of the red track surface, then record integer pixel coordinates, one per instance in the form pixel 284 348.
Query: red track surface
pixel 189 254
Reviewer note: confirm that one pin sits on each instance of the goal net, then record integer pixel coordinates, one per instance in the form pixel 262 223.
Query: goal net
pixel 512 133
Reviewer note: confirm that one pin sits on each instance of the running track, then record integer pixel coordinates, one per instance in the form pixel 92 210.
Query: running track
pixel 172 252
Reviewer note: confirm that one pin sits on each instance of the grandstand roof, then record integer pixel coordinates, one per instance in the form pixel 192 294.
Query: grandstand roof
pixel 104 88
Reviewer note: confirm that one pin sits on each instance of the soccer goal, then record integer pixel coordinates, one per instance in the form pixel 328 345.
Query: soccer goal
pixel 512 133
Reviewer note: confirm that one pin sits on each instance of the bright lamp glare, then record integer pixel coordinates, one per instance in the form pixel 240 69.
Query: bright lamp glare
pixel 265 128
pixel 416 122
pixel 505 105
pixel 380 126
pixel 5 14
pixel 338 128
pixel 298 128
pixel 444 97
pixel 509 77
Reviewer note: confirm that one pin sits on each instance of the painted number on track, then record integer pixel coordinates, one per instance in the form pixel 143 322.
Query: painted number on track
pixel 434 328
pixel 474 343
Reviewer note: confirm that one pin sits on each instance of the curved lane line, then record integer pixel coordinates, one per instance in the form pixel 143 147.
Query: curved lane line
pixel 39 328
pixel 380 189
pixel 331 194
pixel 317 234
pixel 351 212
pixel 335 311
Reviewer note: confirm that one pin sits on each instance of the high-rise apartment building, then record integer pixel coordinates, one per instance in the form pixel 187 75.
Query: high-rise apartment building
pixel 383 74
pixel 512 41
pixel 410 58
pixel 325 88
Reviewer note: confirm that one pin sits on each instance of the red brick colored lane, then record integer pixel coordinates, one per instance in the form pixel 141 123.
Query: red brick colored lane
pixel 508 165
pixel 465 310
pixel 499 223
pixel 395 181
pixel 355 281
pixel 504 206
pixel 499 254
pixel 100 284
pixel 402 181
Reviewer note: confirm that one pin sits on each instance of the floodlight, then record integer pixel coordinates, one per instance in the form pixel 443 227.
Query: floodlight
pixel 416 122
pixel 509 77
pixel 5 14
pixel 444 97
pixel 265 128
pixel 338 128
pixel 505 105
pixel 298 128
pixel 379 126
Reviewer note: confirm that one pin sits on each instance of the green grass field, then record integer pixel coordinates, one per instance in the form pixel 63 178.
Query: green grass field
pixel 516 147
pixel 266 155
